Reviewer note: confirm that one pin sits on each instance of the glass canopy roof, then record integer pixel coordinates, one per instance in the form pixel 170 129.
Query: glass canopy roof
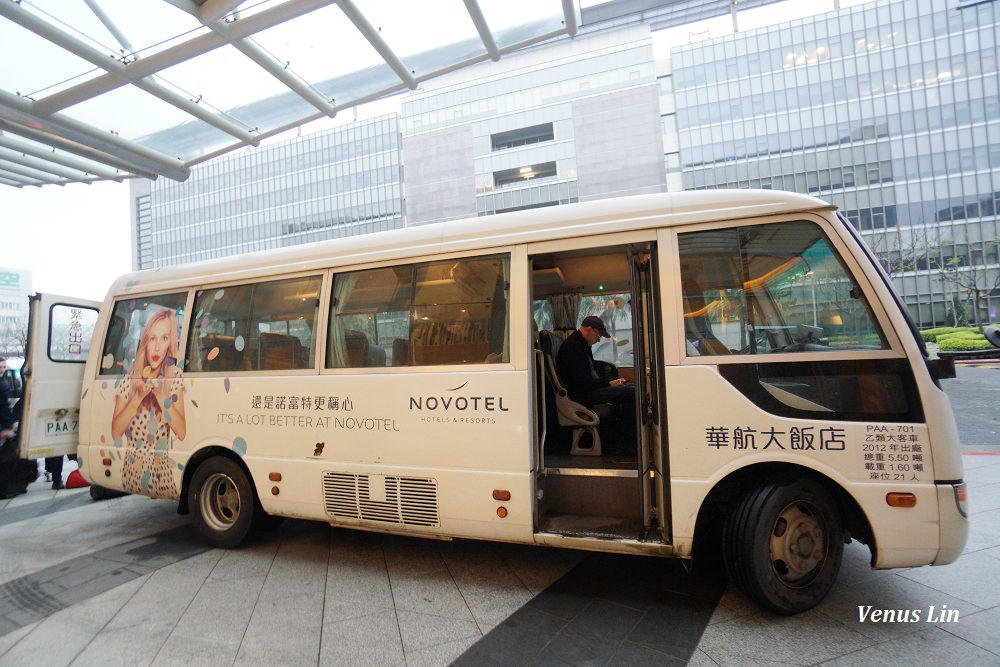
pixel 110 89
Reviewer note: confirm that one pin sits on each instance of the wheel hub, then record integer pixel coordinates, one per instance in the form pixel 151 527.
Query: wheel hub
pixel 219 502
pixel 797 545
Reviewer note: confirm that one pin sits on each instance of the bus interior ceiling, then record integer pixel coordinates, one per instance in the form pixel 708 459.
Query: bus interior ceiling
pixel 589 271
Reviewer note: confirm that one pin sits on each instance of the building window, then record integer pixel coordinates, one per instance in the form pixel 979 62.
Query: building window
pixel 521 175
pixel 672 163
pixel 522 136
pixel 143 228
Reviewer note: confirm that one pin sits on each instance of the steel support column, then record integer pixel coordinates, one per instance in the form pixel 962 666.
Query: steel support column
pixel 476 13
pixel 375 39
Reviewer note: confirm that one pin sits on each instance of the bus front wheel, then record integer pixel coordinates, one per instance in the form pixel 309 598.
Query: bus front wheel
pixel 222 502
pixel 783 543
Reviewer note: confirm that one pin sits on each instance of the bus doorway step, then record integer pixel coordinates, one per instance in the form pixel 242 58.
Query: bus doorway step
pixel 601 527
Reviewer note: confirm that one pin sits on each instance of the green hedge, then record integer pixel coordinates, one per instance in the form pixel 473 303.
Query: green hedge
pixel 956 344
pixel 935 335
pixel 968 335
pixel 931 335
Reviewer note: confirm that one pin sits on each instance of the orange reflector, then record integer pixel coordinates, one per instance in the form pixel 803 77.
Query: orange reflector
pixel 898 499
pixel 106 462
pixel 501 512
pixel 501 494
pixel 275 491
pixel 961 498
pixel 274 476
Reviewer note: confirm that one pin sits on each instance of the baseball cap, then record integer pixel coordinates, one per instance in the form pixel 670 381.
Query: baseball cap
pixel 597 323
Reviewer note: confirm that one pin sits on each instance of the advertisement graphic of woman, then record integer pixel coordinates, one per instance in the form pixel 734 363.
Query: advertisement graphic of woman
pixel 149 410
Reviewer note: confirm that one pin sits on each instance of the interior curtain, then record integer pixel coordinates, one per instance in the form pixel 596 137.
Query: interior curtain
pixel 343 287
pixel 564 310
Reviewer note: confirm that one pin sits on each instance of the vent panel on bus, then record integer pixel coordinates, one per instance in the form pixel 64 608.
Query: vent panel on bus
pixel 410 501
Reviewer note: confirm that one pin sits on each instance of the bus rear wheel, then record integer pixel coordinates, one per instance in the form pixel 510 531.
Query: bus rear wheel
pixel 222 501
pixel 784 543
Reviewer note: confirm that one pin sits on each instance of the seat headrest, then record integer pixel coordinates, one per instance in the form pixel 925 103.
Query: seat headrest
pixel 549 342
pixel 400 352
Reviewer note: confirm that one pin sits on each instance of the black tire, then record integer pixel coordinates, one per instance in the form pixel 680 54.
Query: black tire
pixel 102 493
pixel 222 502
pixel 264 522
pixel 783 544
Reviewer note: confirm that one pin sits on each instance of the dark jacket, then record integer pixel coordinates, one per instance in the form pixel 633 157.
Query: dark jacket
pixel 6 416
pixel 575 365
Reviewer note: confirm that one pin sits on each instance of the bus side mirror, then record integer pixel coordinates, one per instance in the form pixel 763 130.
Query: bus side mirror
pixel 942 368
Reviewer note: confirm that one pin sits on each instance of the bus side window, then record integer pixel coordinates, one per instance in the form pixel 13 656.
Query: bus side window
pixel 263 326
pixel 426 314
pixel 126 324
pixel 776 287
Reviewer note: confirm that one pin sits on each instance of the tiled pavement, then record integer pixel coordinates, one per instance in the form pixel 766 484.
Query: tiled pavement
pixel 123 581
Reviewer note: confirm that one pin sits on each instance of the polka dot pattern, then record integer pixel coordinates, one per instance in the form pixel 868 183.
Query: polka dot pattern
pixel 148 469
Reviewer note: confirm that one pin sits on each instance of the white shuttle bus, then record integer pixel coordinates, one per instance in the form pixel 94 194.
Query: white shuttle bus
pixel 406 382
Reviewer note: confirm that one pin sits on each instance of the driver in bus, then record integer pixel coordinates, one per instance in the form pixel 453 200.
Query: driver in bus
pixel 575 365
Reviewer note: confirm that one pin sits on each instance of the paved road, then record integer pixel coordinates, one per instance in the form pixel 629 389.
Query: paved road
pixel 975 398
pixel 123 582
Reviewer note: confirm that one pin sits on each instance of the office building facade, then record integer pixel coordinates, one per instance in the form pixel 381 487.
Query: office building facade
pixel 569 121
pixel 15 288
pixel 338 182
pixel 889 110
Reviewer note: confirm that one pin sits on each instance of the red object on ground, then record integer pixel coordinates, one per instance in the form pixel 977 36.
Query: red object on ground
pixel 75 480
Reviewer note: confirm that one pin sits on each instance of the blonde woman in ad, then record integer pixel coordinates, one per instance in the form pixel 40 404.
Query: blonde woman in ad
pixel 149 410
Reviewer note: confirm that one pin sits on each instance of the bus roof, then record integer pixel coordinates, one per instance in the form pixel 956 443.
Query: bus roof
pixel 540 224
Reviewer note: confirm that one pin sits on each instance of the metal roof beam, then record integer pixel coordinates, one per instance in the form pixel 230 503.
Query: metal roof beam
pixel 375 39
pixel 390 90
pixel 22 170
pixel 569 16
pixel 109 160
pixel 19 117
pixel 7 155
pixel 179 53
pixel 278 71
pixel 46 30
pixel 50 154
pixel 476 13
pixel 19 179
pixel 263 59
pixel 13 184
pixel 213 10
pixel 109 24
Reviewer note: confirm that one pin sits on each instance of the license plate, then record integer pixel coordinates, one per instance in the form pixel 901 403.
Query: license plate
pixel 55 427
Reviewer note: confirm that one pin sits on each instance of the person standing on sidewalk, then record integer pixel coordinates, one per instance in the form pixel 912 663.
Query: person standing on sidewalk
pixel 54 466
pixel 8 458
pixel 6 416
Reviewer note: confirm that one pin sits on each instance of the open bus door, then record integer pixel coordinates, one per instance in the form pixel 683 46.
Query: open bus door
pixel 59 333
pixel 650 410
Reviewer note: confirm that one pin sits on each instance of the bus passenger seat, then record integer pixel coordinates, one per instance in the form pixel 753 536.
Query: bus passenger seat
pixel 571 414
pixel 227 358
pixel 697 326
pixel 400 352
pixel 278 352
pixel 376 356
pixel 357 349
